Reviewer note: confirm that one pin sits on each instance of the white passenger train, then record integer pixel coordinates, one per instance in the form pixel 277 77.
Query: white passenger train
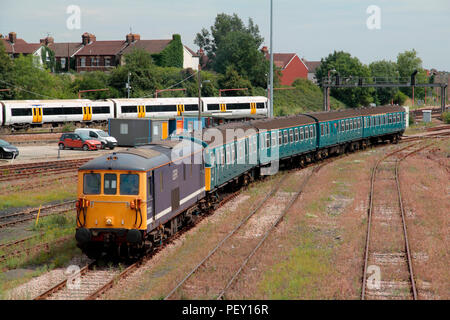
pixel 24 113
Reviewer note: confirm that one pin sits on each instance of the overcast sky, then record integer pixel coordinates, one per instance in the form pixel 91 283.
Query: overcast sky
pixel 310 28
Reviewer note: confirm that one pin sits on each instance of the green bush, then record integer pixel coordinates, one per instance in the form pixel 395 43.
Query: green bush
pixel 446 117
pixel 400 98
pixel 412 120
pixel 68 127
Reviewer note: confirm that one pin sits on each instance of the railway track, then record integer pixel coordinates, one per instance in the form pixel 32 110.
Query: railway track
pixel 31 214
pixel 20 171
pixel 224 271
pixel 389 263
pixel 96 281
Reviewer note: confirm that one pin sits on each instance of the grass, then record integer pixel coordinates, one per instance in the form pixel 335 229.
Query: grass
pixel 37 197
pixel 305 97
pixel 299 274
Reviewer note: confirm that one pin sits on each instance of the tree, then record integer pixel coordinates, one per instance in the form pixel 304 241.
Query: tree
pixel 232 44
pixel 346 66
pixel 6 66
pixel 232 80
pixel 407 62
pixel 384 71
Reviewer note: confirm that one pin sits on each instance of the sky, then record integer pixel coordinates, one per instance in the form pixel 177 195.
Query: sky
pixel 311 28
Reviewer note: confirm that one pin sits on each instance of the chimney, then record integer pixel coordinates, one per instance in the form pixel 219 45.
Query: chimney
pixel 46 41
pixel 129 38
pixel 265 50
pixel 87 38
pixel 12 37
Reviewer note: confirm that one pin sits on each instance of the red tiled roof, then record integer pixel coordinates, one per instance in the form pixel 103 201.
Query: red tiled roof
pixel 311 65
pixel 60 49
pixel 281 60
pixel 20 46
pixel 191 51
pixel 151 46
pixel 102 48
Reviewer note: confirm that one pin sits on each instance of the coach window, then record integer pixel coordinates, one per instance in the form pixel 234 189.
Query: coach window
pixel 267 140
pixel 296 134
pixel 285 136
pixel 110 183
pixel 302 136
pixel 321 129
pixel 306 133
pixel 311 132
pixel 346 125
pixel 91 183
pixel 222 156
pixel 291 135
pixel 129 184
pixel 274 138
pixel 342 126
pixel 328 126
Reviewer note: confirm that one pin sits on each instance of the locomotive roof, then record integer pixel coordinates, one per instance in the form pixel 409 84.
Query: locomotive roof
pixel 143 158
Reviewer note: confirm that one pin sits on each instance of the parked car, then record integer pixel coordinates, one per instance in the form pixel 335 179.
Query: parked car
pixel 102 136
pixel 79 141
pixel 7 150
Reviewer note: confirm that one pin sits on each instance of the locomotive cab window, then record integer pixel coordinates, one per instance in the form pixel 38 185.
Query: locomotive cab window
pixel 91 183
pixel 129 184
pixel 110 183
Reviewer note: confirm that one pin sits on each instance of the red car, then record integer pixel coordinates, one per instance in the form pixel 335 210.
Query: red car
pixel 74 140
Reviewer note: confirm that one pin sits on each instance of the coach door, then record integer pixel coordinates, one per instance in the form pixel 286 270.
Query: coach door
pixel 141 111
pixel 37 114
pixel 253 108
pixel 87 113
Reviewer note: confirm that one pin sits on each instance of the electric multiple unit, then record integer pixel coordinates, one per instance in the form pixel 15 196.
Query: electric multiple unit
pixel 17 113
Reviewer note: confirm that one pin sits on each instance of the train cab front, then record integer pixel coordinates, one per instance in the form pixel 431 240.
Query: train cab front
pixel 111 208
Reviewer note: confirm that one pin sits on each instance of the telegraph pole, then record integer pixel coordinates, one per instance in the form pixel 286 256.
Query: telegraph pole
pixel 271 60
pixel 199 97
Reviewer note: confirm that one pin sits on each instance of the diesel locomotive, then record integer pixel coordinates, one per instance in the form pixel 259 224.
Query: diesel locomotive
pixel 130 201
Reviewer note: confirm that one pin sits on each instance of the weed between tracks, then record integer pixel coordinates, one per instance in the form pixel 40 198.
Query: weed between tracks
pixel 16 198
pixel 23 267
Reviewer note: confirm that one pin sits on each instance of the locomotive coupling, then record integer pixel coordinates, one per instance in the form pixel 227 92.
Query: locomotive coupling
pixel 83 235
pixel 134 236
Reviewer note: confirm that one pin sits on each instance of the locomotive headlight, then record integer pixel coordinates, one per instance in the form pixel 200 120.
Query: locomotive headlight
pixel 109 221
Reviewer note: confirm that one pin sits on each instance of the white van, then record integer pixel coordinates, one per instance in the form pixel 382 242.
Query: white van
pixel 97 134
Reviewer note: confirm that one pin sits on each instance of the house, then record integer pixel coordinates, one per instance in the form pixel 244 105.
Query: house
pixel 64 52
pixel 15 46
pixel 292 67
pixel 104 55
pixel 98 55
pixel 312 66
